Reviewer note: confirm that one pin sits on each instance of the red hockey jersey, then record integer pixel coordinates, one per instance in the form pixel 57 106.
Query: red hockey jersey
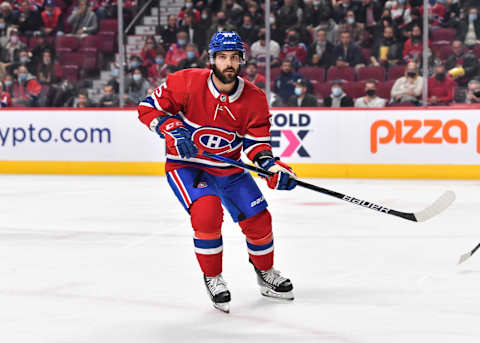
pixel 220 123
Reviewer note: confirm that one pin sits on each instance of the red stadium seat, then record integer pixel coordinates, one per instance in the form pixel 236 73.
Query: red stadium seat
pixel 91 41
pixel 107 42
pixel 443 35
pixel 274 73
pixel 108 25
pixel 396 72
pixel 384 89
pixel 71 58
pixel 444 52
pixel 476 51
pixel 341 73
pixel 322 89
pixel 66 42
pixel 90 57
pixel 313 73
pixel 70 72
pixel 366 55
pixel 371 72
pixel 355 89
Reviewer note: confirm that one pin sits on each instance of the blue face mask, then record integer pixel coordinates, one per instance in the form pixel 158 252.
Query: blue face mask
pixel 22 76
pixel 472 17
pixel 401 2
pixel 336 91
pixel 8 83
pixel 190 55
pixel 159 60
pixel 182 42
pixel 137 77
pixel 298 91
pixel 2 26
pixel 24 59
pixel 115 72
pixel 135 64
pixel 350 20
pixel 433 2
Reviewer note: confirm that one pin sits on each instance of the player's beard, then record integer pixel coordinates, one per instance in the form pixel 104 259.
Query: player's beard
pixel 223 77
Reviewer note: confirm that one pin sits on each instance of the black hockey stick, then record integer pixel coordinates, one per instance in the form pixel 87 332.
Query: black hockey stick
pixel 466 256
pixel 434 209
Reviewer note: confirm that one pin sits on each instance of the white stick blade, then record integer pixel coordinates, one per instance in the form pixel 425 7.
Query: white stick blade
pixel 442 203
pixel 464 257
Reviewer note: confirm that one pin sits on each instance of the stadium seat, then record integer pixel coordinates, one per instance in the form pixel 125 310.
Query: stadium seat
pixel 366 55
pixel 396 72
pixel 90 58
pixel 443 35
pixel 107 42
pixel 69 42
pixel 371 72
pixel 71 58
pixel 476 51
pixel 312 73
pixel 384 89
pixel 355 89
pixel 108 25
pixel 91 41
pixel 341 73
pixel 321 89
pixel 274 73
pixel 444 52
pixel 70 72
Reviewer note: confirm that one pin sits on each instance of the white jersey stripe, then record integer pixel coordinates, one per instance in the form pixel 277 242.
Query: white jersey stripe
pixel 189 201
pixel 261 252
pixel 209 251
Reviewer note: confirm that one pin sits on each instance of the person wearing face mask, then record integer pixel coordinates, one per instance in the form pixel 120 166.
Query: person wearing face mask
pixel 329 26
pixel 258 50
pixel 3 32
pixel 356 29
pixel 472 96
pixel 136 62
pixel 462 65
pixel 25 89
pixel 301 98
pixel 220 24
pixel 408 88
pixel 188 8
pixel 234 11
pixel 314 11
pixel 178 51
pixel 24 57
pixel 109 98
pixel 369 14
pixel 437 13
pixel 52 19
pixel 169 31
pixel 29 19
pixel 340 8
pixel 370 99
pixel 158 71
pixel 469 29
pixel 401 13
pixel 136 87
pixel 337 98
pixel 192 60
pixel 14 45
pixel 284 83
pixel 5 97
pixel 248 30
pixel 320 53
pixel 440 87
pixel 413 47
pixel 294 50
pixel 387 51
pixel 195 32
pixel 288 15
pixel 10 17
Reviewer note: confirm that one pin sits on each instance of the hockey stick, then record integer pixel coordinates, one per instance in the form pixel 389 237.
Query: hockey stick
pixel 466 256
pixel 434 209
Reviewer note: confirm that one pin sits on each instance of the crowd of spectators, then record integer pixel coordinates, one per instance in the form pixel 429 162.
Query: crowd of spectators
pixel 332 53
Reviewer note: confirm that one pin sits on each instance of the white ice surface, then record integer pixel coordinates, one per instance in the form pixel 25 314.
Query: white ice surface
pixel 110 259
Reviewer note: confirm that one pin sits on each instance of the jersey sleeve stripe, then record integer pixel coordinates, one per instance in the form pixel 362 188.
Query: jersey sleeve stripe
pixel 259 139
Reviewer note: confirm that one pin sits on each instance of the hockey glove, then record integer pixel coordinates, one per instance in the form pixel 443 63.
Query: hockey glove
pixel 177 137
pixel 284 177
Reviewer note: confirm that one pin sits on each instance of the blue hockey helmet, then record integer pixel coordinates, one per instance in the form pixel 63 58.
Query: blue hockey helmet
pixel 226 41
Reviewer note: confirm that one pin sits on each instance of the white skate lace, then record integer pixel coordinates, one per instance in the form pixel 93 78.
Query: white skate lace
pixel 216 284
pixel 272 276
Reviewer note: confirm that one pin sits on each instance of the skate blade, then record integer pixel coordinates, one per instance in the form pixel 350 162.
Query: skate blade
pixel 267 292
pixel 224 307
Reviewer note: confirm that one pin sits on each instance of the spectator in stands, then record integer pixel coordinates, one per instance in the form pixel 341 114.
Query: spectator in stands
pixel 357 31
pixel 29 20
pixel 347 53
pixel 234 11
pixel 220 24
pixel 149 51
pixel 10 17
pixel 157 71
pixel 469 29
pixel 196 34
pixel 258 50
pixel 416 20
pixel 301 98
pixel 8 83
pixel 178 51
pixel 288 14
pixel 256 14
pixel 188 9
pixel 252 74
pixel 136 86
pixel 440 87
pixel 329 26
pixel 274 100
pixel 408 88
pixel 401 13
pixel 452 14
pixel 338 98
pixel 284 85
pixel 294 50
pixel 388 51
pixel 109 98
pixel 462 66
pixel 192 60
pixel 82 100
pixel 370 99
pixel 136 62
pixel 23 57
pixel 437 11
pixel 473 92
pixel 3 32
pixel 49 74
pixel 106 8
pixel 52 19
pixel 314 11
pixel 340 8
pixel 14 45
pixel 248 31
pixel 413 47
pixel 25 88
pixel 42 45
pixel 5 97
pixel 320 53
pixel 369 14
pixel 276 33
pixel 83 20
pixel 169 32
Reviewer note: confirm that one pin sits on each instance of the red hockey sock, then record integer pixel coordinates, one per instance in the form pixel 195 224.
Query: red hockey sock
pixel 206 216
pixel 258 231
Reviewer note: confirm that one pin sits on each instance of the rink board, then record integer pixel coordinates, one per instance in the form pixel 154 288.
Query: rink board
pixel 384 143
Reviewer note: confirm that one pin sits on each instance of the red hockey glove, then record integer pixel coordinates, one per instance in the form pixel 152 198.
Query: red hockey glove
pixel 177 137
pixel 284 177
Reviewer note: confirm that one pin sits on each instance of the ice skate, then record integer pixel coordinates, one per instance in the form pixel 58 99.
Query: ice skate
pixel 218 292
pixel 273 285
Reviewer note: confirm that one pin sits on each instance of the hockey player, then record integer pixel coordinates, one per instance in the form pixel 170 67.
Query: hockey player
pixel 219 112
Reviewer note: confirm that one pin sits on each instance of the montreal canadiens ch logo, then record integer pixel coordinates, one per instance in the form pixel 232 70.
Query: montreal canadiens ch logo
pixel 213 140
